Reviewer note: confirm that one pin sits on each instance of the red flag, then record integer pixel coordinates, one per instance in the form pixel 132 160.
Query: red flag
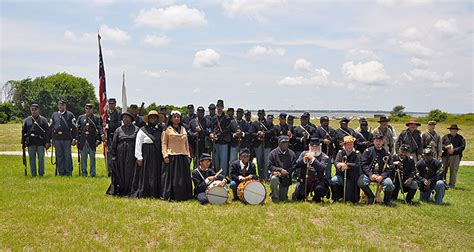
pixel 103 101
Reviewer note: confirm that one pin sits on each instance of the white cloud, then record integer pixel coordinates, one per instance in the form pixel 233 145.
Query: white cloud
pixel 113 34
pixel 251 9
pixel 303 65
pixel 427 75
pixel 206 58
pixel 172 17
pixel 369 72
pixel 156 40
pixel 447 27
pixel 257 51
pixel 411 33
pixel 361 55
pixel 154 74
pixel 415 48
pixel 419 63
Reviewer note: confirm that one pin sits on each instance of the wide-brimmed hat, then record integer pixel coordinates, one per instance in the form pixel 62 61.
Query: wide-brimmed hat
pixel 126 113
pixel 413 121
pixel 161 117
pixel 383 119
pixel 454 126
pixel 348 139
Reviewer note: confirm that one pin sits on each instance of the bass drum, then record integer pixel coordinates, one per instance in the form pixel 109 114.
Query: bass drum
pixel 217 195
pixel 252 192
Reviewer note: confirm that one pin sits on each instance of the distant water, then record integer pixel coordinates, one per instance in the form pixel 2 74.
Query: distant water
pixel 335 113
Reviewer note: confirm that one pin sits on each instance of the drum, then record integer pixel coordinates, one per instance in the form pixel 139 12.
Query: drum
pixel 252 192
pixel 217 195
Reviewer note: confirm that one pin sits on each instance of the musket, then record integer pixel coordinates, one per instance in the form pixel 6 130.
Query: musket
pixel 306 182
pixel 196 150
pixel 399 168
pixel 141 108
pixel 79 159
pixel 24 159
pixel 54 158
pixel 344 160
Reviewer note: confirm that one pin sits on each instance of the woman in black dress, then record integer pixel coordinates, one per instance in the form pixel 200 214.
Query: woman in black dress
pixel 176 179
pixel 147 178
pixel 123 156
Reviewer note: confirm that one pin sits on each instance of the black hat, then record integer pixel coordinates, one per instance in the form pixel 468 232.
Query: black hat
pixel 344 120
pixel 428 152
pixel 247 112
pixel 133 106
pixel 261 111
pixel 362 119
pixel 384 119
pixel 244 151
pixel 405 147
pixel 126 113
pixel 200 108
pixel 378 136
pixel 270 116
pixel 282 115
pixel 290 117
pixel 231 109
pixel 89 105
pixel 454 126
pixel 190 106
pixel 163 109
pixel 324 119
pixel 34 105
pixel 212 106
pixel 315 141
pixel 306 113
pixel 112 100
pixel 240 110
pixel 283 139
pixel 205 156
pixel 61 101
pixel 220 103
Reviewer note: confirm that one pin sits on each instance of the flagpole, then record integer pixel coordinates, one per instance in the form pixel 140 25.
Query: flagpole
pixel 103 102
pixel 124 94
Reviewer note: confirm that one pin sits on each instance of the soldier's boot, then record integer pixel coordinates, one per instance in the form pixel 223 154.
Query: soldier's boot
pixel 370 195
pixel 335 193
pixel 411 193
pixel 387 198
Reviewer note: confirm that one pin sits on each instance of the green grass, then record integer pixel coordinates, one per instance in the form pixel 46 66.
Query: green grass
pixel 73 213
pixel 10 134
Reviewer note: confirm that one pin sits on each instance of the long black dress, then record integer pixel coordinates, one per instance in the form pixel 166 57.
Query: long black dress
pixel 176 177
pixel 147 178
pixel 123 160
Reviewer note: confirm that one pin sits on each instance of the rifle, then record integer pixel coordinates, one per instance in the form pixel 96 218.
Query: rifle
pixel 344 160
pixel 54 162
pixel 24 159
pixel 141 108
pixel 79 160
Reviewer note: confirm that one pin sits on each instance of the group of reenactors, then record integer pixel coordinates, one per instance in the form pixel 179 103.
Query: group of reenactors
pixel 147 154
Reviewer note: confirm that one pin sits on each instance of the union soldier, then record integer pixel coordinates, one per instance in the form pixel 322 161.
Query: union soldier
pixel 248 116
pixel 240 135
pixel 405 166
pixel 377 166
pixel 432 140
pixel 221 136
pixel 388 135
pixel 453 146
pixel 329 139
pixel 343 131
pixel 242 170
pixel 411 137
pixel 348 163
pixel 230 112
pixel 112 123
pixel 137 119
pixel 281 163
pixel 364 135
pixel 273 140
pixel 64 132
pixel 198 134
pixel 36 136
pixel 189 116
pixel 203 176
pixel 89 136
pixel 430 177
pixel 302 134
pixel 282 128
pixel 312 164
pixel 261 131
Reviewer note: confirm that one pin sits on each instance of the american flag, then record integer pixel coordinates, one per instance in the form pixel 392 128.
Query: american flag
pixel 103 100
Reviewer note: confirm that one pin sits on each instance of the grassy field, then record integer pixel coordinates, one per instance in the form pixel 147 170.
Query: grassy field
pixel 11 134
pixel 73 213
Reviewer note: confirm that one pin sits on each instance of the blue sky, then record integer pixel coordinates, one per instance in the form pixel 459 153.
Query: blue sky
pixel 273 54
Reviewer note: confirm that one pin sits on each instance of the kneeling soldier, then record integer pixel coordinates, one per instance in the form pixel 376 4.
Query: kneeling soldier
pixel 405 170
pixel 430 177
pixel 241 171
pixel 281 164
pixel 203 177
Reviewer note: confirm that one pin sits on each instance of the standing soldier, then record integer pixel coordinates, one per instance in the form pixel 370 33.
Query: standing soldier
pixel 261 132
pixel 282 128
pixel 328 138
pixel 343 131
pixel 290 121
pixel 364 135
pixel 386 132
pixel 453 146
pixel 221 136
pixel 240 135
pixel 302 135
pixel 273 140
pixel 430 177
pixel 36 136
pixel 231 113
pixel 89 134
pixel 198 134
pixel 112 123
pixel 189 116
pixel 248 116
pixel 405 166
pixel 432 140
pixel 411 137
pixel 137 119
pixel 64 133
pixel 377 166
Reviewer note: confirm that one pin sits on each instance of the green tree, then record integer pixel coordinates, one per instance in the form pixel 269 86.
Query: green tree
pixel 437 115
pixel 398 111
pixel 46 91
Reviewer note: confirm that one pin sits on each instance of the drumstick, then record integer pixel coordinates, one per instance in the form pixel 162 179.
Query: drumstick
pixel 217 174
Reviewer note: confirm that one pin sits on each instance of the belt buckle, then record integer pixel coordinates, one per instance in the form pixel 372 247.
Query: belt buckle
pixel 60 132
pixel 32 134
pixel 86 133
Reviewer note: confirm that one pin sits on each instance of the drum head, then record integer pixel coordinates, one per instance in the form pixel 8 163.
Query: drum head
pixel 255 193
pixel 217 195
